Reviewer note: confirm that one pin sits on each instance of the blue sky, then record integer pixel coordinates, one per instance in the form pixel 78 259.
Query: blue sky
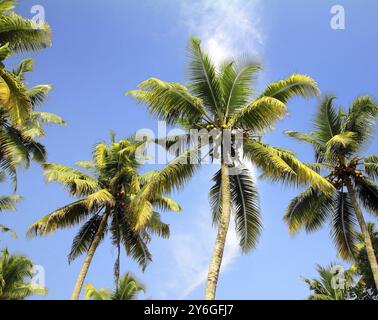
pixel 103 48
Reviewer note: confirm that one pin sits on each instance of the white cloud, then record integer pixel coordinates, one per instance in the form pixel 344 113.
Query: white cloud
pixel 228 28
pixel 191 252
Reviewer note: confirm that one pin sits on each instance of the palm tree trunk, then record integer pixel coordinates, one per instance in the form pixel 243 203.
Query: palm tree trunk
pixel 88 259
pixel 216 260
pixel 364 229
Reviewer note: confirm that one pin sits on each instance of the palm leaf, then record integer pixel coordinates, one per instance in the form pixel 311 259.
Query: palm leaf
pixel 344 226
pixel 259 115
pixel 235 79
pixel 204 80
pixel 65 217
pixel 309 210
pixel 84 237
pixel 22 34
pixel 245 204
pixel 327 121
pixel 295 85
pixel 367 193
pixel 170 102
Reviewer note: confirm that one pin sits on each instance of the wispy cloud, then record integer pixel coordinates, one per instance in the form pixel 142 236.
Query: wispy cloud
pixel 191 252
pixel 228 28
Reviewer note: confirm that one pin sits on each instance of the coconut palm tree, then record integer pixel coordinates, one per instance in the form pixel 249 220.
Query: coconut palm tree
pixel 338 139
pixel 219 100
pixel 19 33
pixel 110 199
pixel 362 265
pixel 15 275
pixel 21 124
pixel 127 289
pixel 332 284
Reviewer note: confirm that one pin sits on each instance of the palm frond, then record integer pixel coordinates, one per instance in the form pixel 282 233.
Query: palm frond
pixel 260 115
pixel 78 183
pixel 235 80
pixel 170 102
pixel 371 166
pixel 367 192
pixel 91 293
pixel 157 227
pixel 361 118
pixel 344 226
pixel 318 146
pixel 5 229
pixel 281 165
pixel 327 121
pixel 7 5
pixel 295 85
pixel 309 210
pixel 8 203
pixel 65 217
pixel 341 144
pixel 38 94
pixel 204 80
pixel 245 205
pixel 84 237
pixel 23 34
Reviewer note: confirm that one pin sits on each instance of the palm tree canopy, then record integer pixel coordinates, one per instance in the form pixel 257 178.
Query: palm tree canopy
pixel 362 265
pixel 127 289
pixel 110 185
pixel 19 33
pixel 331 285
pixel 21 124
pixel 15 274
pixel 339 139
pixel 223 98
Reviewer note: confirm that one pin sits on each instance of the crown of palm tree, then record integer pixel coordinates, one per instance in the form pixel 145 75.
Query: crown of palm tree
pixel 328 286
pixel 15 271
pixel 20 123
pixel 127 289
pixel 338 140
pixel 113 189
pixel 222 99
pixel 19 33
pixel 361 264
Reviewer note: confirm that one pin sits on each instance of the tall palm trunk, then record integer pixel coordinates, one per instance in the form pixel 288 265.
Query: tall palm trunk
pixel 216 260
pixel 88 259
pixel 364 229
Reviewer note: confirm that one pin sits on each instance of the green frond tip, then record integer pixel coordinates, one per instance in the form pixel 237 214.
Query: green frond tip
pixel 295 85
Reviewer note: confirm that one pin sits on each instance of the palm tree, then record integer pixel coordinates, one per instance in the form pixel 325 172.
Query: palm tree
pixel 331 285
pixel 362 265
pixel 15 273
pixel 219 99
pixel 19 33
pixel 20 123
pixel 338 139
pixel 127 289
pixel 111 198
